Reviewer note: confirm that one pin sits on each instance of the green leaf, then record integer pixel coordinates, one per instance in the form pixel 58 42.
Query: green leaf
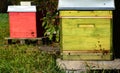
pixel 50 37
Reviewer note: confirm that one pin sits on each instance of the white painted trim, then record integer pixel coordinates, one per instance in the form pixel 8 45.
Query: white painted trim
pixel 21 8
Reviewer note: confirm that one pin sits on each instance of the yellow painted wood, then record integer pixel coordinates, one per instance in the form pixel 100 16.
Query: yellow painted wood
pixel 85 13
pixel 85 31
pixel 87 57
pixel 75 37
pixel 73 26
pixel 85 43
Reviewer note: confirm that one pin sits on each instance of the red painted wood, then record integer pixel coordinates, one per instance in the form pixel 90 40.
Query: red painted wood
pixel 22 24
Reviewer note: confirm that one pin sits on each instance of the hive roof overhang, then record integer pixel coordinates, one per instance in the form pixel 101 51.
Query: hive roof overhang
pixel 86 5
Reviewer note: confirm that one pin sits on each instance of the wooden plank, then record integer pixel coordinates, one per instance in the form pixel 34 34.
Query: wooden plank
pixel 23 40
pixel 84 17
pixel 88 56
pixel 86 13
pixel 78 52
pixel 75 37
pixel 6 38
pixel 73 23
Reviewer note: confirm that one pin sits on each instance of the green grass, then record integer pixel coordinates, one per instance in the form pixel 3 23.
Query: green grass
pixel 26 59
pixel 4 27
pixel 23 58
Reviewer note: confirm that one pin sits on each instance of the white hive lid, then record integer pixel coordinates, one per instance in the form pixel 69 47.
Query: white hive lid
pixel 21 9
pixel 86 5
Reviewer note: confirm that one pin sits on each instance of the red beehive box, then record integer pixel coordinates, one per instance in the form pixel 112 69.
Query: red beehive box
pixel 22 20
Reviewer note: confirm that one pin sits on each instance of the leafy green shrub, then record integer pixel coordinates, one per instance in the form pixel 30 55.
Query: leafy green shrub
pixel 50 20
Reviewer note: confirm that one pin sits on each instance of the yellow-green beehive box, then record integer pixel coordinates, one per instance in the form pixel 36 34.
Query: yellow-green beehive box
pixel 86 34
pixel 86 37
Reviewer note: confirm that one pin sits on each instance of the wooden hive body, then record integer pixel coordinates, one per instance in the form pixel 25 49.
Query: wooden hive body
pixel 86 35
pixel 22 20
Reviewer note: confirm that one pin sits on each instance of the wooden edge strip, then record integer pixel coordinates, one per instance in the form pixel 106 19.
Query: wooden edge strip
pixel 87 51
pixel 86 17
pixel 23 38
